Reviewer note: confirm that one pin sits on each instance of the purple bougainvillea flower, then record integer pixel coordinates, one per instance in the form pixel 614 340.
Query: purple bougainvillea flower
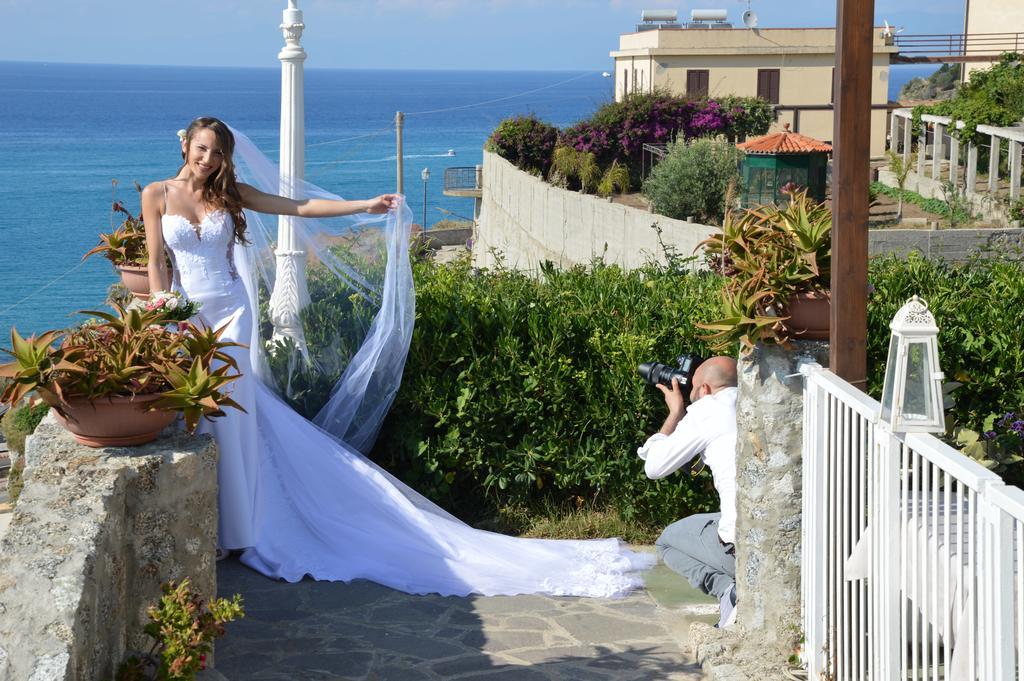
pixel 1018 426
pixel 989 435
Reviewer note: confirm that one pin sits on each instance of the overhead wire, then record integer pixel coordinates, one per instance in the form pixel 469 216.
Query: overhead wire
pixel 500 99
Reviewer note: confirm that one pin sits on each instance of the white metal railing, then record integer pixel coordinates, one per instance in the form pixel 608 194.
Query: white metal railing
pixel 910 551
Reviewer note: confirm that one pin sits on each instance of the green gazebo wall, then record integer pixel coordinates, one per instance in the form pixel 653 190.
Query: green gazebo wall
pixel 764 175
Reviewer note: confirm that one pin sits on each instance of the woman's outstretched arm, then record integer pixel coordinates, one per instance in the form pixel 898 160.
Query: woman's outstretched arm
pixel 261 202
pixel 152 213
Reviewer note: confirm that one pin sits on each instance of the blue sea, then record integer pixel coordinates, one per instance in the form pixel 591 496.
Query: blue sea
pixel 67 130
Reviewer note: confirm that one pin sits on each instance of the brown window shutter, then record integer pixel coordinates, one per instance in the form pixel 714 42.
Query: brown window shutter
pixel 697 82
pixel 768 85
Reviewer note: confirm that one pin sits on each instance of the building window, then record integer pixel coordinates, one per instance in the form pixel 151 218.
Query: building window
pixel 832 97
pixel 625 82
pixel 697 82
pixel 768 85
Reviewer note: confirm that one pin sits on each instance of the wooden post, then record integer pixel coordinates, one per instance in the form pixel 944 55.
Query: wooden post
pixel 850 175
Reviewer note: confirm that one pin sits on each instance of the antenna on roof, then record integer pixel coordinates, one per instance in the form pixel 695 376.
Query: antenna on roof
pixel 750 18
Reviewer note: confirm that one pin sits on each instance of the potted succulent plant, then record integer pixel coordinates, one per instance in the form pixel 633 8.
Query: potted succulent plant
pixel 122 378
pixel 777 261
pixel 125 247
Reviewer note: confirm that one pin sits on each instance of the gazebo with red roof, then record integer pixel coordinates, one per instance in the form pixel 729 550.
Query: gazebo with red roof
pixel 782 160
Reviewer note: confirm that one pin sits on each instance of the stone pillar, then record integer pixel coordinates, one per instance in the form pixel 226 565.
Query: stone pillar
pixel 95 533
pixel 908 133
pixel 971 183
pixel 1015 161
pixel 937 151
pixel 954 159
pixel 290 294
pixel 993 164
pixel 769 413
pixel 922 151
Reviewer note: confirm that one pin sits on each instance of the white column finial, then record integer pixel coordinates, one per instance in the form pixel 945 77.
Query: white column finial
pixel 292 5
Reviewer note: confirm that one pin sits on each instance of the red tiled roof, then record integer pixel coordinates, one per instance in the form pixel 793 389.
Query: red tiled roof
pixel 784 142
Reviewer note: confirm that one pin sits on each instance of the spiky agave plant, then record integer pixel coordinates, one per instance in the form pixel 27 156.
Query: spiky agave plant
pixel 127 353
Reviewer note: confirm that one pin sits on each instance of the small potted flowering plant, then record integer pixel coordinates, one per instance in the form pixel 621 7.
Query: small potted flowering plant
pixel 125 247
pixel 122 378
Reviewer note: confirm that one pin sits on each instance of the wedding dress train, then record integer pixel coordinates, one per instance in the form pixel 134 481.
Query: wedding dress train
pixel 298 501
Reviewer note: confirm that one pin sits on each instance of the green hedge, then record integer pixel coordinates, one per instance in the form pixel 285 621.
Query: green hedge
pixel 519 390
pixel 522 391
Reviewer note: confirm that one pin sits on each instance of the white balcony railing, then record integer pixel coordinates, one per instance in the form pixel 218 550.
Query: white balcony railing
pixel 910 551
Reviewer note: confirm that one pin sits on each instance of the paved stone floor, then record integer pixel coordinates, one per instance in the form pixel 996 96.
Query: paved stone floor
pixel 365 632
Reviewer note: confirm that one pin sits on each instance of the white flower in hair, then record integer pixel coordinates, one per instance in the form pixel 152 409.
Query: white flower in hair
pixel 182 134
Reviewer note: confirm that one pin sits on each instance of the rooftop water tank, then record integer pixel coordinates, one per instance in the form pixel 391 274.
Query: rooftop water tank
pixel 709 15
pixel 659 15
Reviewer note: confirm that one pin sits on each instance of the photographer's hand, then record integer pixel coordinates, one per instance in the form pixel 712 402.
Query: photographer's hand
pixel 676 406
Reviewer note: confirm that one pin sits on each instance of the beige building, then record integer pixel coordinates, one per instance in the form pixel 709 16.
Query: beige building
pixel 990 26
pixel 789 67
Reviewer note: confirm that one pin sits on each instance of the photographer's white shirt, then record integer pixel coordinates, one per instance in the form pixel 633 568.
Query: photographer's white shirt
pixel 709 430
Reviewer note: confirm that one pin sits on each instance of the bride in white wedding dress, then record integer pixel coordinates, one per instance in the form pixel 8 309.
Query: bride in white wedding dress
pixel 295 499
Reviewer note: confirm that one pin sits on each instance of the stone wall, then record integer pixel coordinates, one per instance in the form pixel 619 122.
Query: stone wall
pixel 530 221
pixel 769 507
pixel 94 534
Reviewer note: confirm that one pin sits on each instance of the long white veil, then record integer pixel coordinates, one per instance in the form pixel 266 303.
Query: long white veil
pixel 344 372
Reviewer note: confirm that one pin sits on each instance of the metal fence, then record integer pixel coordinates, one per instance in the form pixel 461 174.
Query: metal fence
pixel 462 179
pixel 910 551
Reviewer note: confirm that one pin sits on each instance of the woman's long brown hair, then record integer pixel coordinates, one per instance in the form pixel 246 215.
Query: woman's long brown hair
pixel 221 188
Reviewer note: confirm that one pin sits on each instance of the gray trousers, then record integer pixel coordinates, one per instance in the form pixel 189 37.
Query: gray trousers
pixel 692 548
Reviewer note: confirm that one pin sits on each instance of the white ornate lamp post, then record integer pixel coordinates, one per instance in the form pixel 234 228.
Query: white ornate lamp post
pixel 290 294
pixel 912 396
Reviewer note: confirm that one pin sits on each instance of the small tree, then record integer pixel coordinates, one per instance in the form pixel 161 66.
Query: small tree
pixel 692 179
pixel 901 169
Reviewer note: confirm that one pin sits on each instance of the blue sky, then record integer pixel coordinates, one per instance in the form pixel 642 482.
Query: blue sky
pixel 438 34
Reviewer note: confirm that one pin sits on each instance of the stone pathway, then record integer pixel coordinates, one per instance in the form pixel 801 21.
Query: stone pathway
pixel 365 632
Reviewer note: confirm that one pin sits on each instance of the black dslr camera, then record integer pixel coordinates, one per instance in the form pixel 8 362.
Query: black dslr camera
pixel 654 373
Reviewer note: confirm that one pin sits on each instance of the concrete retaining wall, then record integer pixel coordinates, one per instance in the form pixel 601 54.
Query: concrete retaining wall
pixel 530 221
pixel 94 534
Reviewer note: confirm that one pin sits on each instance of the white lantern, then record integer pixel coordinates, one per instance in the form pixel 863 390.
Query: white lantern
pixel 912 396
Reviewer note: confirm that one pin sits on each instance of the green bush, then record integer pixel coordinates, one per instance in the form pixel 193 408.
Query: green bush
pixel 526 141
pixel 692 180
pixel 522 390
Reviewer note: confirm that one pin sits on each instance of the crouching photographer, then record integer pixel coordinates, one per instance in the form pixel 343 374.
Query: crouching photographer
pixel 701 422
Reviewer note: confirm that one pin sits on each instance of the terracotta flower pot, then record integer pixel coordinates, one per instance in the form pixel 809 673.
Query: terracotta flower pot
pixel 808 315
pixel 135 279
pixel 115 421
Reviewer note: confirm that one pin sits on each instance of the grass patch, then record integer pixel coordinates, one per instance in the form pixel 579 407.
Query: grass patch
pixel 935 206
pixel 548 520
